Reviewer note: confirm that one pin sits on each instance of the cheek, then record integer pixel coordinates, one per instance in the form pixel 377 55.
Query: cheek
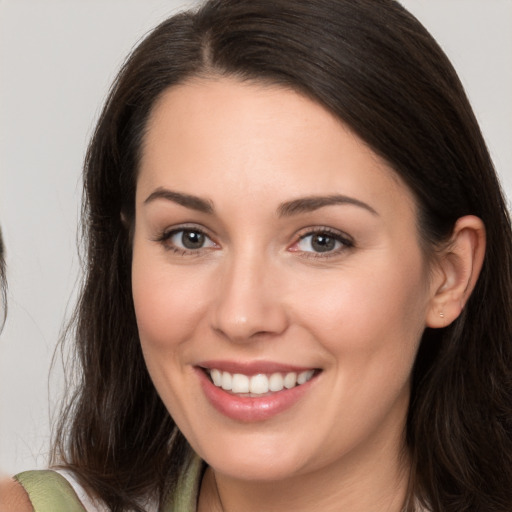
pixel 366 315
pixel 370 328
pixel 168 303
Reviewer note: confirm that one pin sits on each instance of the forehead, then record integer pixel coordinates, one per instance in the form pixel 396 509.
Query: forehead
pixel 211 135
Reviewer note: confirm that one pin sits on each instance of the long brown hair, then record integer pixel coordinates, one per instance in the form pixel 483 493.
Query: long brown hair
pixel 375 67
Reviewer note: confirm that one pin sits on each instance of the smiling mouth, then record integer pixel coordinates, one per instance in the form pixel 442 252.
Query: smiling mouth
pixel 260 383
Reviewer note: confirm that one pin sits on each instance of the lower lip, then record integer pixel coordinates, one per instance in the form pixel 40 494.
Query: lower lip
pixel 251 409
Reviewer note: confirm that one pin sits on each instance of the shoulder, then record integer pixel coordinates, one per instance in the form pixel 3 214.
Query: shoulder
pixel 48 491
pixel 13 497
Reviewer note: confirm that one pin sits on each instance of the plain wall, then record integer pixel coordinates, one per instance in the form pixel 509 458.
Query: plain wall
pixel 57 59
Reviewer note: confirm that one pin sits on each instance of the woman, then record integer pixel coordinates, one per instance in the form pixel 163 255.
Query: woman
pixel 289 303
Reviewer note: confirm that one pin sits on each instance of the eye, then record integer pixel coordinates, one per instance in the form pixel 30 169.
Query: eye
pixel 189 239
pixel 186 240
pixel 324 241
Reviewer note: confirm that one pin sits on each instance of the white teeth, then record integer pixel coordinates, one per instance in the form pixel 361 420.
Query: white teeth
pixel 260 383
pixel 304 377
pixel 216 376
pixel 240 383
pixel 290 380
pixel 226 381
pixel 276 382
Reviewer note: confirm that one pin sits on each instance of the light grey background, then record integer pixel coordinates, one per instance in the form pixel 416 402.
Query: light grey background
pixel 57 59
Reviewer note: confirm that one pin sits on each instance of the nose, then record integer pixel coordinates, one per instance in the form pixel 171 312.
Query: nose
pixel 248 303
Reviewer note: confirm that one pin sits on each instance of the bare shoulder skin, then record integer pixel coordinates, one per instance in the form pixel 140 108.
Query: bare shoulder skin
pixel 13 497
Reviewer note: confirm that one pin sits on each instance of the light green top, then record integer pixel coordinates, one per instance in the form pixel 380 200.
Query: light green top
pixel 51 492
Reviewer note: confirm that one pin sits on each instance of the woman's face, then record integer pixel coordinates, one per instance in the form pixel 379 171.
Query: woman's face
pixel 275 256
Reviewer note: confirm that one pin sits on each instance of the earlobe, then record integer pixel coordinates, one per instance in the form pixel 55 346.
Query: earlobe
pixel 458 268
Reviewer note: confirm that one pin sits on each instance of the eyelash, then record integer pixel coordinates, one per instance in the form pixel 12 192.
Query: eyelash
pixel 345 241
pixel 165 237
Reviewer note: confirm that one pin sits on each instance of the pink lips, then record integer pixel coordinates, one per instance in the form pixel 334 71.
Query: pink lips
pixel 251 408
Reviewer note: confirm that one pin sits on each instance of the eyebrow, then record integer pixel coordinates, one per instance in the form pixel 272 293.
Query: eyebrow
pixel 287 209
pixel 309 204
pixel 186 200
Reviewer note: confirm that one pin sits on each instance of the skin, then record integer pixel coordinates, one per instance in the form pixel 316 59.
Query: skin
pixel 258 291
pixel 13 497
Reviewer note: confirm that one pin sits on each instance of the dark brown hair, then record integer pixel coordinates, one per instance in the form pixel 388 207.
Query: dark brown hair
pixel 375 67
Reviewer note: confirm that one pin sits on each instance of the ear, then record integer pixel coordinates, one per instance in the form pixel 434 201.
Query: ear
pixel 457 269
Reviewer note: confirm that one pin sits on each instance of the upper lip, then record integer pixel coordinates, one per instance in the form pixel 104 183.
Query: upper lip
pixel 252 367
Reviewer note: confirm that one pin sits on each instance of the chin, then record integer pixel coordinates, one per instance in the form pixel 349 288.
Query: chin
pixel 256 459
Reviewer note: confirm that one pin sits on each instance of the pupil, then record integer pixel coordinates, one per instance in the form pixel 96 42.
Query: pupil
pixel 323 243
pixel 192 240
